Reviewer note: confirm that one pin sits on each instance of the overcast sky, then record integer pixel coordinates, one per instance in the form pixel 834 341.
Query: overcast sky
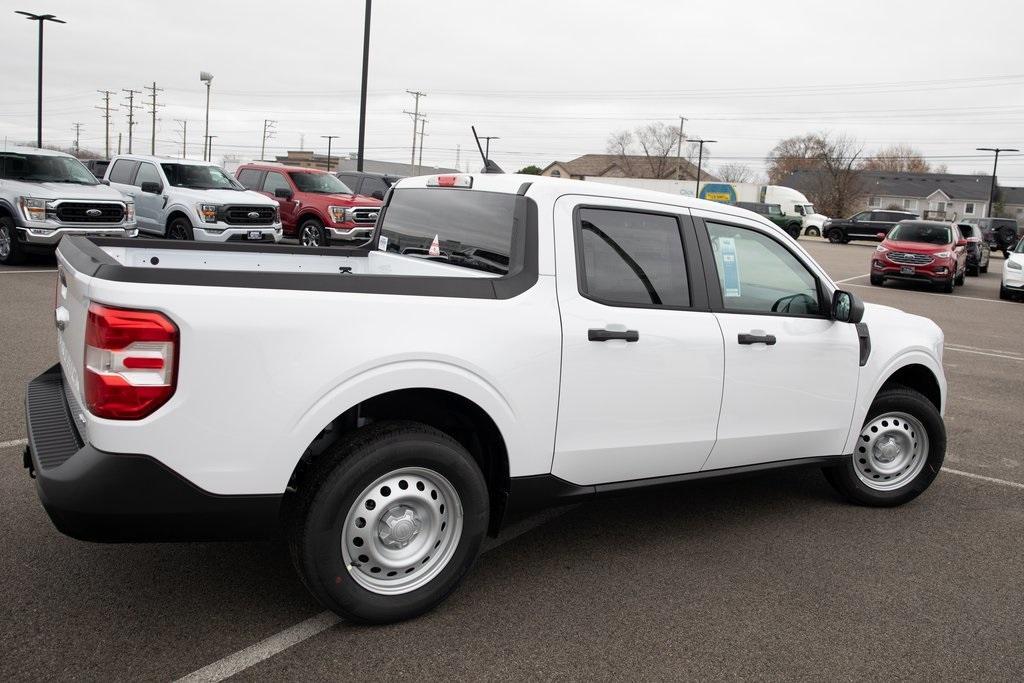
pixel 552 78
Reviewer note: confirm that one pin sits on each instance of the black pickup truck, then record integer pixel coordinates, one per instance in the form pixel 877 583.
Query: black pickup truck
pixel 865 225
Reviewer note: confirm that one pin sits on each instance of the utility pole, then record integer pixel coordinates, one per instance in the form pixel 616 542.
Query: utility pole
pixel 131 113
pixel 362 89
pixel 700 158
pixel 118 143
pixel 679 150
pixel 423 126
pixel 267 133
pixel 302 141
pixel 329 139
pixel 415 114
pixel 78 131
pixel 995 165
pixel 209 147
pixel 487 144
pixel 458 156
pixel 106 118
pixel 184 135
pixel 153 90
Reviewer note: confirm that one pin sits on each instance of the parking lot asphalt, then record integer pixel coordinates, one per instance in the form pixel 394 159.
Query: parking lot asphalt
pixel 769 576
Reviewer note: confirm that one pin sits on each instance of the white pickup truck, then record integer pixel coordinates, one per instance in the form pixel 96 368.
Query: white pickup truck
pixel 503 343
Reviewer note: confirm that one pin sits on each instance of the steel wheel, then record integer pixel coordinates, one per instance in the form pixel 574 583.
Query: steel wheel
pixel 401 531
pixel 311 235
pixel 892 451
pixel 5 241
pixel 813 232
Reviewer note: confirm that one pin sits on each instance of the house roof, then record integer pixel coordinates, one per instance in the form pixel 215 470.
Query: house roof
pixel 914 185
pixel 600 164
pixel 1012 195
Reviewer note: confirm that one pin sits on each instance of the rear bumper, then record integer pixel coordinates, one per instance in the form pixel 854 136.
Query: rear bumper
pixel 93 495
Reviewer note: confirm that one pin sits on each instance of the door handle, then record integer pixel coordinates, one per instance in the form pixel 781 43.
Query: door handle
pixel 607 335
pixel 767 339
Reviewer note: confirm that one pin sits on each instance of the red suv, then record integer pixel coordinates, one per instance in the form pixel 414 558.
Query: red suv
pixel 316 207
pixel 921 251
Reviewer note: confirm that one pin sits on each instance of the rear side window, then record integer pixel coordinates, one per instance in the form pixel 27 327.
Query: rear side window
pixel 466 228
pixel 274 181
pixel 374 185
pixel 250 178
pixel 123 171
pixel 630 258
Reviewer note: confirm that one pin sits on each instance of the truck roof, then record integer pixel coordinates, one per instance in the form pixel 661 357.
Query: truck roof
pixel 162 160
pixel 274 166
pixel 38 151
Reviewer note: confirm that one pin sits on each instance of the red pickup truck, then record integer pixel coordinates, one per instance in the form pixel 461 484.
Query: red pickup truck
pixel 316 207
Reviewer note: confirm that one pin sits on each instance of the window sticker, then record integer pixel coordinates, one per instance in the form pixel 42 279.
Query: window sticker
pixel 382 243
pixel 730 267
pixel 435 248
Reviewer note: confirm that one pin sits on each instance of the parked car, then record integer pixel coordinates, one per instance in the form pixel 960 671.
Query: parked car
pixel 978 253
pixel 1000 233
pixel 97 166
pixel 478 381
pixel 45 195
pixel 866 225
pixel 368 184
pixel 792 224
pixel 1012 282
pixel 316 207
pixel 193 200
pixel 921 251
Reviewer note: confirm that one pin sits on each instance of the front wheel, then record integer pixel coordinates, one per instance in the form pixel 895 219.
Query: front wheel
pixel 11 253
pixel 1004 293
pixel 311 233
pixel 898 454
pixel 179 229
pixel 388 522
pixel 813 232
pixel 959 279
pixel 835 236
pixel 877 280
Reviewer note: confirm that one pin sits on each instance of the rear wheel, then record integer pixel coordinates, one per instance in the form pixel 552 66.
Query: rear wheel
pixel 179 229
pixel 794 230
pixel 898 454
pixel 11 253
pixel 813 232
pixel 835 236
pixel 311 233
pixel 387 523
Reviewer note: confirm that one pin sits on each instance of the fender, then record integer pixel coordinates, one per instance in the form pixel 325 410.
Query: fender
pixel 311 211
pixel 10 209
pixel 177 206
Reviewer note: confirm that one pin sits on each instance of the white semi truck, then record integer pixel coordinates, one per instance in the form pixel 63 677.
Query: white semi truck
pixel 793 202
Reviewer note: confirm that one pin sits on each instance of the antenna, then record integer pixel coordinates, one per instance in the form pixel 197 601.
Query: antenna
pixel 489 166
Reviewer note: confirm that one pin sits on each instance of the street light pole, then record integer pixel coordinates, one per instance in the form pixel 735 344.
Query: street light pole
pixel 207 77
pixel 995 165
pixel 362 92
pixel 700 159
pixel 41 18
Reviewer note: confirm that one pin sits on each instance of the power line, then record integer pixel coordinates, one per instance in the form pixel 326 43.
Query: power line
pixel 267 134
pixel 106 118
pixel 415 114
pixel 153 105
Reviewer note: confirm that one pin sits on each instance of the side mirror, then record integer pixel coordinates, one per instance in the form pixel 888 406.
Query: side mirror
pixel 104 181
pixel 378 195
pixel 283 193
pixel 846 307
pixel 880 235
pixel 151 187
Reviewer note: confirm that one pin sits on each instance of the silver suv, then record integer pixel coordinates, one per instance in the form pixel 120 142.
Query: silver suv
pixel 45 195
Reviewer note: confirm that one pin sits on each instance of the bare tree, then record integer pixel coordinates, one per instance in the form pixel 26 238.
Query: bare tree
pixel 736 173
pixel 839 182
pixel 899 158
pixel 798 153
pixel 649 151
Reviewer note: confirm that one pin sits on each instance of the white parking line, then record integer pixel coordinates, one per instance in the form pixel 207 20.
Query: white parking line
pixel 984 353
pixel 11 444
pixel 19 272
pixel 982 477
pixel 855 277
pixel 944 296
pixel 304 630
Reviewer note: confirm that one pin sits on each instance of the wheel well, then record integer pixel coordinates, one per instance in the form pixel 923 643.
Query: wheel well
pixel 919 378
pixel 456 416
pixel 177 214
pixel 308 214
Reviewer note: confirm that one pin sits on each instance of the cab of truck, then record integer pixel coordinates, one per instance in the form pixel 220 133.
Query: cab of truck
pixel 317 208
pixel 773 212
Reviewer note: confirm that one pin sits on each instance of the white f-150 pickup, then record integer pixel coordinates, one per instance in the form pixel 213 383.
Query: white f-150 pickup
pixel 503 343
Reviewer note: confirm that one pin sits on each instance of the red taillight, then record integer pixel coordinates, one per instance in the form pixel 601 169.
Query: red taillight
pixel 130 362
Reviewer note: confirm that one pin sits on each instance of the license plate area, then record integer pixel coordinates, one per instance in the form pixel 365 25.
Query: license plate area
pixel 906 270
pixel 254 235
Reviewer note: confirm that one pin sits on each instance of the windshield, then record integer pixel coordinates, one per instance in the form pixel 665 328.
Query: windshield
pixel 808 209
pixel 321 183
pixel 921 232
pixel 44 169
pixel 199 177
pixel 471 229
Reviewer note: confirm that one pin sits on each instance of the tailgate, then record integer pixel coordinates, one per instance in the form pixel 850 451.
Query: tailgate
pixel 71 306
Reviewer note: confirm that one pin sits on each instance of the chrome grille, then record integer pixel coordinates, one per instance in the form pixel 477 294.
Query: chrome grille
pixel 87 212
pixel 367 216
pixel 248 215
pixel 910 259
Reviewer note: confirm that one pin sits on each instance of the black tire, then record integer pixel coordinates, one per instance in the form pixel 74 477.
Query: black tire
pixel 835 236
pixel 1004 293
pixel 983 269
pixel 877 280
pixel 11 253
pixel 898 399
pixel 794 230
pixel 972 271
pixel 317 512
pixel 813 232
pixel 959 279
pixel 311 233
pixel 180 229
pixel 947 286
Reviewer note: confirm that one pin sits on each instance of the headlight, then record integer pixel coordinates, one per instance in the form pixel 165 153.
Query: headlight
pixel 828 222
pixel 880 249
pixel 207 212
pixel 1013 265
pixel 34 209
pixel 337 213
pixel 129 211
pixel 944 254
